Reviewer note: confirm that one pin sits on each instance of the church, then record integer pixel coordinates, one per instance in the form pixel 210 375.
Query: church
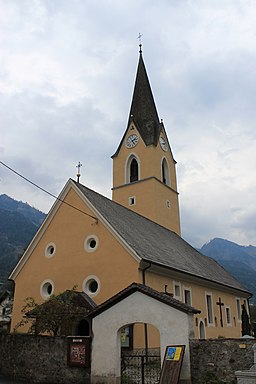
pixel 101 246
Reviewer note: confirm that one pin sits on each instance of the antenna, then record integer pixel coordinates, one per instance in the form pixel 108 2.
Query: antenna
pixel 78 171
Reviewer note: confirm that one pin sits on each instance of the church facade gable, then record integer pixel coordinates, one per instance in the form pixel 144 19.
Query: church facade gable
pixel 73 248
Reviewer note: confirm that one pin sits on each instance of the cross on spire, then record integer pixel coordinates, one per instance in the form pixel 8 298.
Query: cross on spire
pixel 140 44
pixel 79 165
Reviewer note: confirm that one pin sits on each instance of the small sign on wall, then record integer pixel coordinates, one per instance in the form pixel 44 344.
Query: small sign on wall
pixel 78 351
pixel 172 363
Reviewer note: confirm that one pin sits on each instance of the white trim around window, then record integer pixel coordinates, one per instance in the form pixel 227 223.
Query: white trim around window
pixel 209 309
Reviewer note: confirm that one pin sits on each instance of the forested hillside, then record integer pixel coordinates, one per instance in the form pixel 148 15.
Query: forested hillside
pixel 18 224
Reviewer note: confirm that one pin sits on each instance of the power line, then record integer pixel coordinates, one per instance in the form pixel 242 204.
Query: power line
pixel 45 191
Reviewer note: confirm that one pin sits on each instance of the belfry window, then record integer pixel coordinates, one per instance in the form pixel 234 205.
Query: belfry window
pixel 165 172
pixel 134 171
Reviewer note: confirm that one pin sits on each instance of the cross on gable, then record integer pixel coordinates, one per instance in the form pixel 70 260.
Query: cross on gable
pixel 78 171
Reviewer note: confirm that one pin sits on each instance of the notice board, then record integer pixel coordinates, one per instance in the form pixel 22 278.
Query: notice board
pixel 172 363
pixel 78 351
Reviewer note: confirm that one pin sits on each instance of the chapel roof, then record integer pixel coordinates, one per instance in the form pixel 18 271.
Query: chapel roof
pixel 65 302
pixel 146 290
pixel 156 244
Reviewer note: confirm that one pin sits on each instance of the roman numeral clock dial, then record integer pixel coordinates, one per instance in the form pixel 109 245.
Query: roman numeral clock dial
pixel 132 140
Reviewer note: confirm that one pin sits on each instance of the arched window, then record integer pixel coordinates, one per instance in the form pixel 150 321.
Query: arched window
pixel 134 170
pixel 165 172
pixel 201 330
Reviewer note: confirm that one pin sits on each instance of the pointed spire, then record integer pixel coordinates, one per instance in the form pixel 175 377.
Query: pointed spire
pixel 143 111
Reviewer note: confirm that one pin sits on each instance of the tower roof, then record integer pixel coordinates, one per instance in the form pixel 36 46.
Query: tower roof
pixel 143 111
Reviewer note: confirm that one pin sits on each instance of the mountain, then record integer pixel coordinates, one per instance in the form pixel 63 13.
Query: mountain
pixel 18 224
pixel 238 260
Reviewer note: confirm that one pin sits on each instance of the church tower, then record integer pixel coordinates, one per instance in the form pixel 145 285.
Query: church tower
pixel 144 175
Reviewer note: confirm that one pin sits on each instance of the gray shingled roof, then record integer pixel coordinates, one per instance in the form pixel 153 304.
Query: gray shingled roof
pixel 143 112
pixel 156 244
pixel 136 287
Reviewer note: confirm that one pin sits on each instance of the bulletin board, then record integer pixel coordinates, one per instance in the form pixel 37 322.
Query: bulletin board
pixel 78 351
pixel 172 363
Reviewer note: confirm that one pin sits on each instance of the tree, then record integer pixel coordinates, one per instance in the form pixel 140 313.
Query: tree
pixel 57 315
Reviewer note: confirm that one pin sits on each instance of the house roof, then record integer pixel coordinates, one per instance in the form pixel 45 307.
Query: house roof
pixel 156 244
pixel 136 287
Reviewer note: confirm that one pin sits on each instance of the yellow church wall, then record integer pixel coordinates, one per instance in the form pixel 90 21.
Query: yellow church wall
pixel 72 264
pixel 198 301
pixel 114 267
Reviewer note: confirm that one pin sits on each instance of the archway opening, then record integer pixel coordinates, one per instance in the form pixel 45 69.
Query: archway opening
pixel 140 353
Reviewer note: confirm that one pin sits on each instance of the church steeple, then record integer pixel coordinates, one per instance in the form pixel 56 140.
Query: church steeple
pixel 143 111
pixel 144 176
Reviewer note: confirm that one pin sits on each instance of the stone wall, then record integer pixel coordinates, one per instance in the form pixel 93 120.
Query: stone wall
pixel 40 359
pixel 43 359
pixel 216 360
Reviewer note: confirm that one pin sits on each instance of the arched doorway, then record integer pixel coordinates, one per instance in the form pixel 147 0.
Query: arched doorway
pixel 140 353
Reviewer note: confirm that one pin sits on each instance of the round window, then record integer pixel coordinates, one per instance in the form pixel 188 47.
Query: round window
pixel 50 250
pixel 91 285
pixel 46 289
pixel 91 243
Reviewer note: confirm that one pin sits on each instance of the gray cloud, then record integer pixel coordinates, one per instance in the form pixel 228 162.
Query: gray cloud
pixel 66 80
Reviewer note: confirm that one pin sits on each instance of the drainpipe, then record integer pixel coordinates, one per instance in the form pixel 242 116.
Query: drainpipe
pixel 145 324
pixel 144 274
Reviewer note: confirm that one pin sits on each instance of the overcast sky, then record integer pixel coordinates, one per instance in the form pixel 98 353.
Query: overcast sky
pixel 67 70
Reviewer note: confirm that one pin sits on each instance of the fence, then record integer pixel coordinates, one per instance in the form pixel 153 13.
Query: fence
pixel 140 368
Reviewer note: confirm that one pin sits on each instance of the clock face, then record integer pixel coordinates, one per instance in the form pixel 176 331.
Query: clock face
pixel 163 143
pixel 132 140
